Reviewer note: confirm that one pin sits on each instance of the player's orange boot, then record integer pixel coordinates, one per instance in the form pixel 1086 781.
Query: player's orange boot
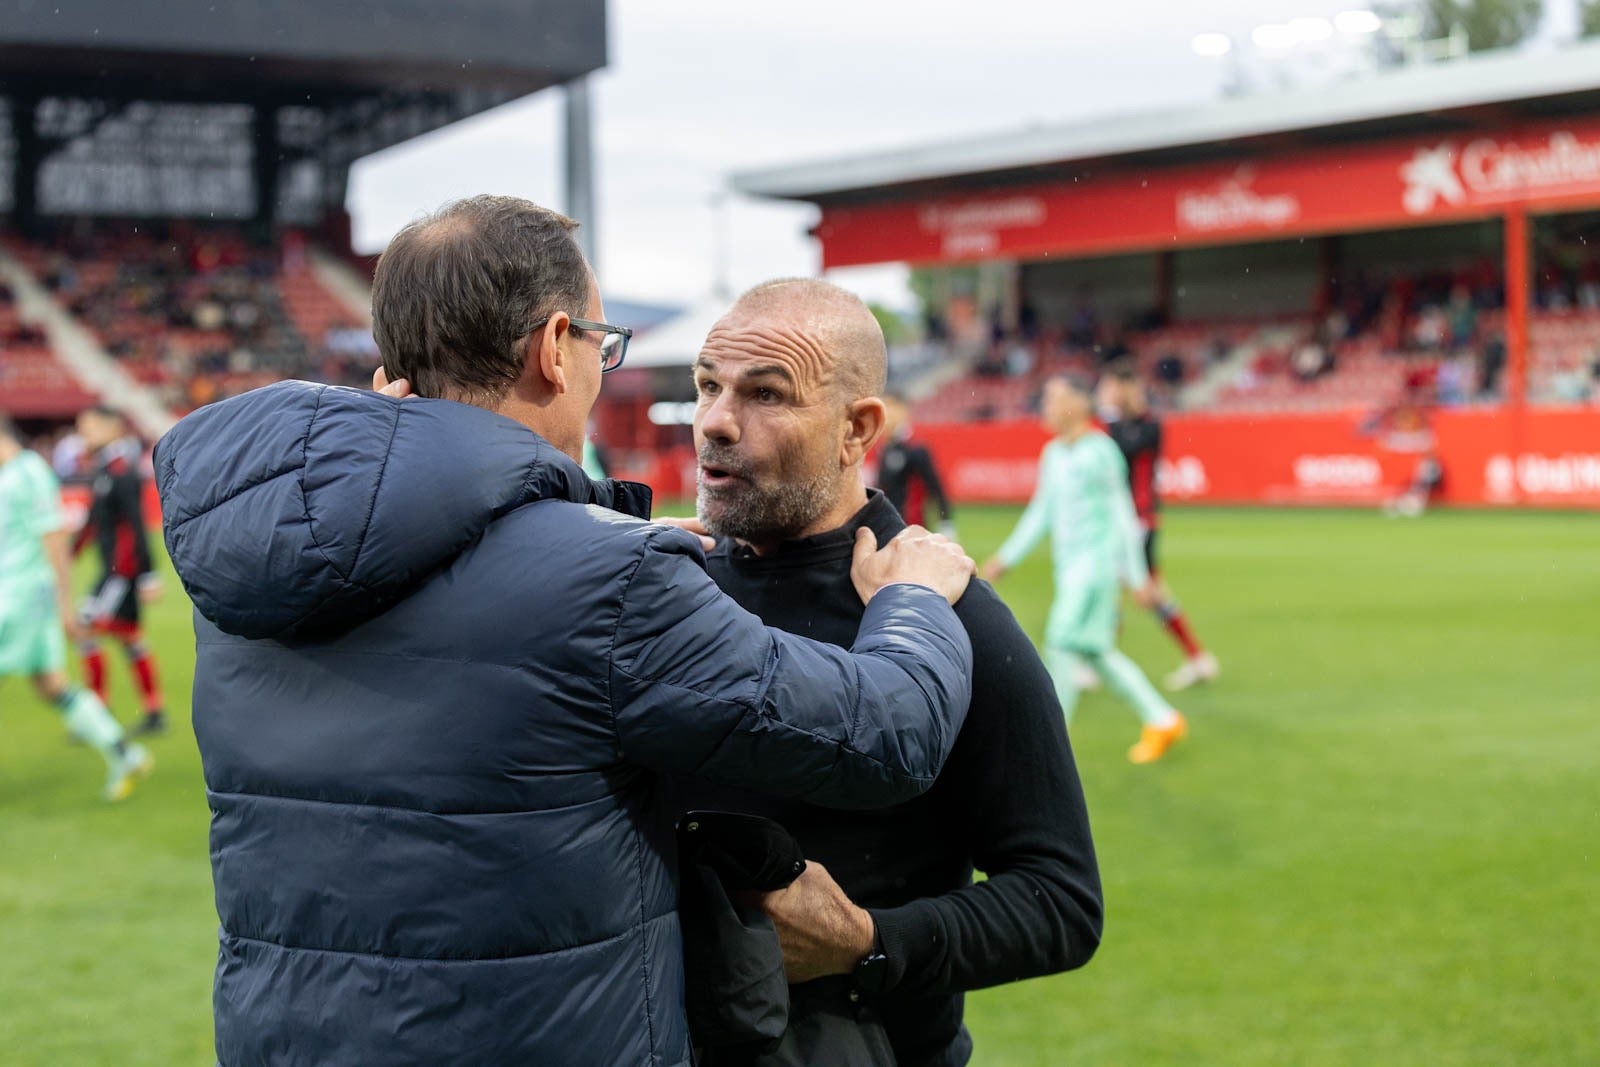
pixel 1155 740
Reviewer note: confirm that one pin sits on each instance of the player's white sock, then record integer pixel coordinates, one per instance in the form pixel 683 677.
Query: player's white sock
pixel 91 723
pixel 1064 667
pixel 1128 682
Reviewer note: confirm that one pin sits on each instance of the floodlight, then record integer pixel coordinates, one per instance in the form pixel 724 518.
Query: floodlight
pixel 1310 30
pixel 1274 35
pixel 1357 22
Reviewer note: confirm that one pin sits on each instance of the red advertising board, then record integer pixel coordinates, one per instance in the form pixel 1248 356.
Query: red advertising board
pixel 1550 459
pixel 1341 189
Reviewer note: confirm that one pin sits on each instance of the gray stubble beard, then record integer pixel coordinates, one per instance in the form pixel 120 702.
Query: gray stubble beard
pixel 772 513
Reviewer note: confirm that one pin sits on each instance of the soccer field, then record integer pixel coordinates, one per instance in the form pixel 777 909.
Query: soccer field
pixel 1380 845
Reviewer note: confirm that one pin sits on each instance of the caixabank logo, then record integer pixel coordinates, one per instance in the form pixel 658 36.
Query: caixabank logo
pixel 1491 170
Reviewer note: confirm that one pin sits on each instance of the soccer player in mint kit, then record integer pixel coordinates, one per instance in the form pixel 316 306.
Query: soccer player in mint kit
pixel 1082 501
pixel 35 598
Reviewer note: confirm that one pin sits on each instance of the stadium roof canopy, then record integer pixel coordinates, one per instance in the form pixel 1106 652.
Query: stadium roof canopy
pixel 1493 89
pixel 183 48
pixel 101 107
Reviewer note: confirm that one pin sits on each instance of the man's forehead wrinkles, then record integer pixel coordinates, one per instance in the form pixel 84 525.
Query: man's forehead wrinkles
pixel 730 349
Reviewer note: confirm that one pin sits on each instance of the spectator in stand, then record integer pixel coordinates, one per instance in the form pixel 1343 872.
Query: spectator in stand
pixel 1454 382
pixel 1083 329
pixel 1019 359
pixel 1431 330
pixel 1552 293
pixel 1589 284
pixel 1463 318
pixel 1494 362
pixel 1170 370
pixel 1310 361
pixel 1487 292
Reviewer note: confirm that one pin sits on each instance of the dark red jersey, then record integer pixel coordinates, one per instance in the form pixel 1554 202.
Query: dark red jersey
pixel 1139 437
pixel 116 517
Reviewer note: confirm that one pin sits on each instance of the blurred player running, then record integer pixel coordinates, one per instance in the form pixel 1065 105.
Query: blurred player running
pixel 35 605
pixel 1082 501
pixel 906 473
pixel 1130 423
pixel 116 525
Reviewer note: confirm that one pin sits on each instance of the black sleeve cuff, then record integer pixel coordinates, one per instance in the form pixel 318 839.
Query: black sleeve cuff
pixel 912 937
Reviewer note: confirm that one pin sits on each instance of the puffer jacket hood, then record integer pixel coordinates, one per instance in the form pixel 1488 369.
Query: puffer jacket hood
pixel 357 495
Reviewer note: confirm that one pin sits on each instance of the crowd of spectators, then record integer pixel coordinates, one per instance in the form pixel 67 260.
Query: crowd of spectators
pixel 196 314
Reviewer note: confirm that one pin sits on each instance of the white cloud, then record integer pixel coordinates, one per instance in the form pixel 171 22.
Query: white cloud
pixel 697 90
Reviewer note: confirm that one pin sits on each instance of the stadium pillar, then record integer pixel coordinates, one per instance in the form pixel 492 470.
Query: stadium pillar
pixel 27 157
pixel 1517 285
pixel 579 168
pixel 266 165
pixel 1165 281
pixel 1328 257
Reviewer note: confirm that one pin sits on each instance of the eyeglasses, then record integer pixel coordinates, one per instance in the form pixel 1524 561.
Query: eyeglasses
pixel 613 346
pixel 613 343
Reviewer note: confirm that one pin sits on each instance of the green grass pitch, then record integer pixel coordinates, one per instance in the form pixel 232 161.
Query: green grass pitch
pixel 1381 844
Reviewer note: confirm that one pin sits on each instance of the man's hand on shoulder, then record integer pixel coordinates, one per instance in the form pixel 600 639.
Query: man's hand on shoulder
pixel 821 931
pixel 914 556
pixel 694 526
pixel 400 388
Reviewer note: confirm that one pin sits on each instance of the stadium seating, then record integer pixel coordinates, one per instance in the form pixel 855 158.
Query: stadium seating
pixel 199 314
pixel 32 381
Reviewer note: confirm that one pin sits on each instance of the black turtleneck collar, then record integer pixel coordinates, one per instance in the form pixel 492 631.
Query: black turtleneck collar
pixel 838 543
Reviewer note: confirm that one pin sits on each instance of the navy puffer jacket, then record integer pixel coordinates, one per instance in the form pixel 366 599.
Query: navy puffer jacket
pixel 435 680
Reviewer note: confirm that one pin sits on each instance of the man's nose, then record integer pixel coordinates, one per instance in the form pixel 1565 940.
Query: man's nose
pixel 718 422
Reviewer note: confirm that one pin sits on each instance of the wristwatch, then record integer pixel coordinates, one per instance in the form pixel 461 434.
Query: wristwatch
pixel 872 973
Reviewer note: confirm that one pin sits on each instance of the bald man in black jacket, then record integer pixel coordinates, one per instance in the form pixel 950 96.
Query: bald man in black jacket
pixel 886 929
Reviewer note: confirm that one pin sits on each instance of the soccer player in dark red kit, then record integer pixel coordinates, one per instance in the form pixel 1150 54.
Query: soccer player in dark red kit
pixel 906 473
pixel 1125 408
pixel 117 526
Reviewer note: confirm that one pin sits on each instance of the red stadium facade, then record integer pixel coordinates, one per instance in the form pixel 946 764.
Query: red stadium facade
pixel 1314 171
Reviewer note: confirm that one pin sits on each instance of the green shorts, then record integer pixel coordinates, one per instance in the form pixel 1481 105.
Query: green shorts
pixel 31 639
pixel 1086 612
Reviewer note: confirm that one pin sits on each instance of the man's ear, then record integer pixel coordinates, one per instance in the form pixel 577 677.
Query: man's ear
pixel 546 355
pixel 867 418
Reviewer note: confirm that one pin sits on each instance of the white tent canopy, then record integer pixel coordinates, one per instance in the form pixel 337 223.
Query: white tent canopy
pixel 676 342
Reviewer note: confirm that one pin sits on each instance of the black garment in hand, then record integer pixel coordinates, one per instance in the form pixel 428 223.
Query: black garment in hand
pixel 1008 802
pixel 737 998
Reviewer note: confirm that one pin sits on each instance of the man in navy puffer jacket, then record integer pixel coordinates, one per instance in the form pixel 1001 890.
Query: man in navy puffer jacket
pixel 439 670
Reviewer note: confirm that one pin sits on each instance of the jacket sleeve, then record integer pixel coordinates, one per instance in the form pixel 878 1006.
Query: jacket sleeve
pixel 699 686
pixel 1012 789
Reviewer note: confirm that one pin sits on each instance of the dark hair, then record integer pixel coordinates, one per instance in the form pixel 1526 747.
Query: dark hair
pixel 1122 369
pixel 1076 382
pixel 454 292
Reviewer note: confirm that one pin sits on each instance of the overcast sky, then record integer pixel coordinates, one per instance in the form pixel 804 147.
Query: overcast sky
pixel 696 89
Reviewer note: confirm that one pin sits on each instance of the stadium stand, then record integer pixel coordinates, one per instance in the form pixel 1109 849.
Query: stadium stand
pixel 200 314
pixel 31 379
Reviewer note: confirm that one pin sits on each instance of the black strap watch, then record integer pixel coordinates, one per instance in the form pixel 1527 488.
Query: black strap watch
pixel 872 973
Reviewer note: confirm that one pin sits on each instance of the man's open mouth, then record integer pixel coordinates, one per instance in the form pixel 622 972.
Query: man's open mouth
pixel 715 476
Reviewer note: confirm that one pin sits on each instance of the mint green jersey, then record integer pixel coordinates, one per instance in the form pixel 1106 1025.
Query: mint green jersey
pixel 30 507
pixel 1082 501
